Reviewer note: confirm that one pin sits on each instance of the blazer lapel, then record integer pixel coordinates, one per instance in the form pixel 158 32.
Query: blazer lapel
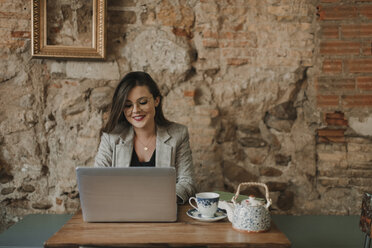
pixel 163 150
pixel 124 149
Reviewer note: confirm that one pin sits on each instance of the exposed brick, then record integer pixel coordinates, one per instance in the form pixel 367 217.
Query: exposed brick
pixel 326 84
pixel 13 44
pixel 189 93
pixel 328 100
pixel 14 15
pixel 357 101
pixel 335 119
pixel 367 48
pixel 330 31
pixel 237 61
pixel 364 83
pixel 331 139
pixel 182 32
pixel 238 36
pixel 210 34
pixel 239 43
pixel 335 115
pixel 356 31
pixel 359 65
pixel 339 47
pixel 337 12
pixel 21 34
pixel 366 11
pixel 331 132
pixel 210 43
pixel 238 52
pixel 337 122
pixel 332 66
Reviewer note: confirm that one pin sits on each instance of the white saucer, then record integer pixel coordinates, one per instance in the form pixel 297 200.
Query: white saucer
pixel 195 214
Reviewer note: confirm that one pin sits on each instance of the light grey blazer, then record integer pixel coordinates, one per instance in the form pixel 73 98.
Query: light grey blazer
pixel 172 149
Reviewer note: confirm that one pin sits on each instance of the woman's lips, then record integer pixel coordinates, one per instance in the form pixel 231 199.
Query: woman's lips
pixel 139 117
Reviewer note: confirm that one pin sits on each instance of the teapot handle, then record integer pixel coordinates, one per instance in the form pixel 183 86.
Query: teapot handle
pixel 253 184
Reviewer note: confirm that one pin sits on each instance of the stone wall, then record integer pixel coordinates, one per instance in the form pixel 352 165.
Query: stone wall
pixel 276 91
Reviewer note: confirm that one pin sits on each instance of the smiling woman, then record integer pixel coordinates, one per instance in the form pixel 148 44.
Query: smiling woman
pixel 138 134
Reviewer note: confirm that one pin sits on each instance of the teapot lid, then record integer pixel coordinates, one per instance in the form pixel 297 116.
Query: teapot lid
pixel 254 201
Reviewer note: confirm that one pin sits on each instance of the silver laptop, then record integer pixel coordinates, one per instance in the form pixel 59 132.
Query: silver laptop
pixel 133 194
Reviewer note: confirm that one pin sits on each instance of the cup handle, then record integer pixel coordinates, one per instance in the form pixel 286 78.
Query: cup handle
pixel 192 198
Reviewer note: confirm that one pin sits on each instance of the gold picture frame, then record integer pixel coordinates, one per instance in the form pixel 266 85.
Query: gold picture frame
pixel 41 47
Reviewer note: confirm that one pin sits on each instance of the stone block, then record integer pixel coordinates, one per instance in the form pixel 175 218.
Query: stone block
pixel 101 97
pixel 282 160
pixel 93 70
pixel 121 17
pixel 7 190
pixel 237 174
pixel 276 186
pixel 285 200
pixel 270 172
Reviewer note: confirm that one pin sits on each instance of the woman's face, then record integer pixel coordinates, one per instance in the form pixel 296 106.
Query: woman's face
pixel 139 109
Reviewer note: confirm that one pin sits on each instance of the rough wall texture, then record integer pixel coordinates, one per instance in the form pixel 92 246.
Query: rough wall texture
pixel 277 91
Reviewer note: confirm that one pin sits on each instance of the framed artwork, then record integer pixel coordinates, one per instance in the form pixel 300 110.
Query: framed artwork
pixel 69 28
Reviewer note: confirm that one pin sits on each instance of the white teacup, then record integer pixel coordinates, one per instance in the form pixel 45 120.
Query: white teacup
pixel 207 203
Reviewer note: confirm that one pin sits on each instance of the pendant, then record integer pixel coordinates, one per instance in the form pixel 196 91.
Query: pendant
pixel 145 148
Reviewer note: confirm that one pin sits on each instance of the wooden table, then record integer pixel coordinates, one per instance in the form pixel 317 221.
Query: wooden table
pixel 186 232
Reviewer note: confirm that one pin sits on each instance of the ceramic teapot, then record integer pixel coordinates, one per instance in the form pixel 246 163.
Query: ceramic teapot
pixel 252 214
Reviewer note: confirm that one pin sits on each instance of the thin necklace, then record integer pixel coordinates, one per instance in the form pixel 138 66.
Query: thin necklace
pixel 145 147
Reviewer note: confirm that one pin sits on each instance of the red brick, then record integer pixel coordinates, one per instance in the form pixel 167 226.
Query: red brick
pixel 12 44
pixel 356 31
pixel 189 93
pixel 15 15
pixel 329 139
pixel 326 84
pixel 337 12
pixel 366 11
pixel 327 101
pixel 238 43
pixel 332 66
pixel 339 47
pixel 336 119
pixel 182 32
pixel 210 34
pixel 364 83
pixel 359 65
pixel 331 132
pixel 21 34
pixel 330 31
pixel 335 115
pixel 237 61
pixel 357 101
pixel 238 35
pixel 330 1
pixel 210 43
pixel 367 48
pixel 337 122
pixel 238 52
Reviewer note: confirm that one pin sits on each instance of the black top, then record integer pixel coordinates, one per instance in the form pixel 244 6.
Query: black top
pixel 136 163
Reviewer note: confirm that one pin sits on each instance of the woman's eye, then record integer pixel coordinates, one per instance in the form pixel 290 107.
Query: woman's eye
pixel 127 105
pixel 143 102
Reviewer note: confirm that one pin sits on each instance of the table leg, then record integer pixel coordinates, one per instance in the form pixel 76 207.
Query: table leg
pixel 367 241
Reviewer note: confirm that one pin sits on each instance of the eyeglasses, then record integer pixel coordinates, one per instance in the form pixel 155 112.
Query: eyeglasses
pixel 142 103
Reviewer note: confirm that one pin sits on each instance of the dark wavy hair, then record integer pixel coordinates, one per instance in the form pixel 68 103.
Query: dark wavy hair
pixel 129 81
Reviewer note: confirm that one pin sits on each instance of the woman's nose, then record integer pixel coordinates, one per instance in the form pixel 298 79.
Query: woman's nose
pixel 135 107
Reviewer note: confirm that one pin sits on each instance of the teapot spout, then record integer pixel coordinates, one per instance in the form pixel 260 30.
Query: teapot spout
pixel 229 207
